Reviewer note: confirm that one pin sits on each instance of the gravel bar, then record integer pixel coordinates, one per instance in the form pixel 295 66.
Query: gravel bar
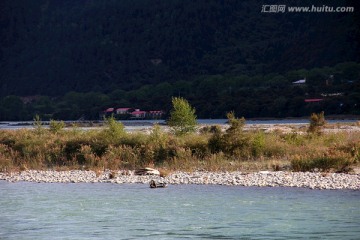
pixel 261 179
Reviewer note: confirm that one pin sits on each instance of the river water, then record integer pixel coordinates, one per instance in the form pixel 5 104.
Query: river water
pixel 147 124
pixel 134 211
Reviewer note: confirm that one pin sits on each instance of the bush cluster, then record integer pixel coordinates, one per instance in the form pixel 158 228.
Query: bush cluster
pixel 210 149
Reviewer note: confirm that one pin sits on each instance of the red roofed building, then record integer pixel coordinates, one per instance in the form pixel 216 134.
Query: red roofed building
pixel 122 110
pixel 131 113
pixel 138 114
pixel 156 114
pixel 106 113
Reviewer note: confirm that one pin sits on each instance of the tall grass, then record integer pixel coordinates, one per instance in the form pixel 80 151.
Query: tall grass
pixel 212 149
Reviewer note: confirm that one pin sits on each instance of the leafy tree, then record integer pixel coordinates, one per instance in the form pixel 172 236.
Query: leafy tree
pixel 182 116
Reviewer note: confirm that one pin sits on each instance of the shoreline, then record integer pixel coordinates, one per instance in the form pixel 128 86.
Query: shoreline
pixel 256 179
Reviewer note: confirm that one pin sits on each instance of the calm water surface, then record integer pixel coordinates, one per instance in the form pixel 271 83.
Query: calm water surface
pixel 134 211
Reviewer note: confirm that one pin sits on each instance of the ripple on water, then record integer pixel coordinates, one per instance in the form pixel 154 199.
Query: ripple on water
pixel 132 211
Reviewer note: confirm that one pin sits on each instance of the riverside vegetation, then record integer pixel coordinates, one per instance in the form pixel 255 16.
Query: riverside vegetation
pixel 210 148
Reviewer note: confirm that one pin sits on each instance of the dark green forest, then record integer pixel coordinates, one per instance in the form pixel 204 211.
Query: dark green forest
pixel 72 59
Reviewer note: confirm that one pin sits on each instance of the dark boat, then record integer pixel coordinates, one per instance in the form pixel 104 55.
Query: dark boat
pixel 154 184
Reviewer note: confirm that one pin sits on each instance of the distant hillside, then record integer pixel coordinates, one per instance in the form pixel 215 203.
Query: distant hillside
pixel 50 47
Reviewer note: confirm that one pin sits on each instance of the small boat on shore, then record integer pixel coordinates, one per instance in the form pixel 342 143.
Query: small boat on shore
pixel 154 184
pixel 147 171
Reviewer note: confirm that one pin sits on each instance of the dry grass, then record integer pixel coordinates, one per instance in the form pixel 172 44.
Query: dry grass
pixel 244 151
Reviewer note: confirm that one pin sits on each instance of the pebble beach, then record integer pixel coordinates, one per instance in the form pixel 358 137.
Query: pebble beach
pixel 260 179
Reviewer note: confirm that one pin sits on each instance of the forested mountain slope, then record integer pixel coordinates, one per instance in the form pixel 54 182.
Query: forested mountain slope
pixel 52 47
pixel 113 47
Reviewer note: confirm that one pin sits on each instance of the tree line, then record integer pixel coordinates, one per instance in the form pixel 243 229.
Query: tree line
pixel 260 96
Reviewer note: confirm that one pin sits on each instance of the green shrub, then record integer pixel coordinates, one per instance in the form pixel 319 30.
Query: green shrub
pixel 114 130
pixel 216 143
pixel 158 137
pixel 86 157
pixel 210 129
pixel 113 157
pixel 317 122
pixel 128 156
pixel 56 126
pixel 6 161
pixel 38 125
pixel 325 163
pixel 236 124
pixel 198 144
pixel 55 156
pixel 294 139
pixel 258 144
pixel 134 140
pixel 234 139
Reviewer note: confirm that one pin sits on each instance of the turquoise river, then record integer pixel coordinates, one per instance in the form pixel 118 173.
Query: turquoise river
pixel 134 211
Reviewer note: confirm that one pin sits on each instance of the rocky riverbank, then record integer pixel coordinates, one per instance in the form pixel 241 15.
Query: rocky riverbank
pixel 261 179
